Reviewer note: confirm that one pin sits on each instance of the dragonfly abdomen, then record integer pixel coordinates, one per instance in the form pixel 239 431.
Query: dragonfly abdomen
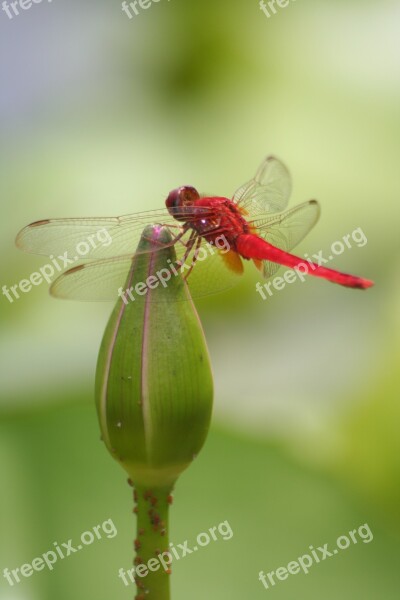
pixel 251 246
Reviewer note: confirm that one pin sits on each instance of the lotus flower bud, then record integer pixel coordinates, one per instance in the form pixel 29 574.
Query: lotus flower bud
pixel 154 385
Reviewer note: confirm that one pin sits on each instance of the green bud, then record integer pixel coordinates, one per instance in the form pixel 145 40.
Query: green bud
pixel 154 385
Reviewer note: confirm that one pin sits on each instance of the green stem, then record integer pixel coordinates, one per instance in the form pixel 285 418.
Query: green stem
pixel 152 540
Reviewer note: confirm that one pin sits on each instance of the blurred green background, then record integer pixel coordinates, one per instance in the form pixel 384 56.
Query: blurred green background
pixel 102 115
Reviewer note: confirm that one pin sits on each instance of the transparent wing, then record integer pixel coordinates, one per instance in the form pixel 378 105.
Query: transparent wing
pixel 99 280
pixel 210 274
pixel 102 280
pixel 92 238
pixel 287 230
pixel 268 191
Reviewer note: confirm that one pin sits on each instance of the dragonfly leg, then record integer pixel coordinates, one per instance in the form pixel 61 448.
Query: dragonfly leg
pixel 194 259
pixel 179 237
pixel 175 239
pixel 189 245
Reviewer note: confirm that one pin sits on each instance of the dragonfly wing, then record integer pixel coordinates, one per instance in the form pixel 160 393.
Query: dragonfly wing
pixel 287 230
pixel 93 238
pixel 210 273
pixel 268 191
pixel 102 280
pixel 87 238
pixel 99 280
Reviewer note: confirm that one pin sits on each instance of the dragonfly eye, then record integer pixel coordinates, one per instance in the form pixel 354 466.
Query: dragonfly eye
pixel 188 195
pixel 180 199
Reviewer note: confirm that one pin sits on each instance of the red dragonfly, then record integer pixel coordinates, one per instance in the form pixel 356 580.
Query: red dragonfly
pixel 251 226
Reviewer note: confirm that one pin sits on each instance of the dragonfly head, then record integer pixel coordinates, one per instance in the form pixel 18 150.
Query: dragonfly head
pixel 180 199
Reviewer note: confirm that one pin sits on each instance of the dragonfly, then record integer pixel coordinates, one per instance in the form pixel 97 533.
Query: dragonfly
pixel 254 225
